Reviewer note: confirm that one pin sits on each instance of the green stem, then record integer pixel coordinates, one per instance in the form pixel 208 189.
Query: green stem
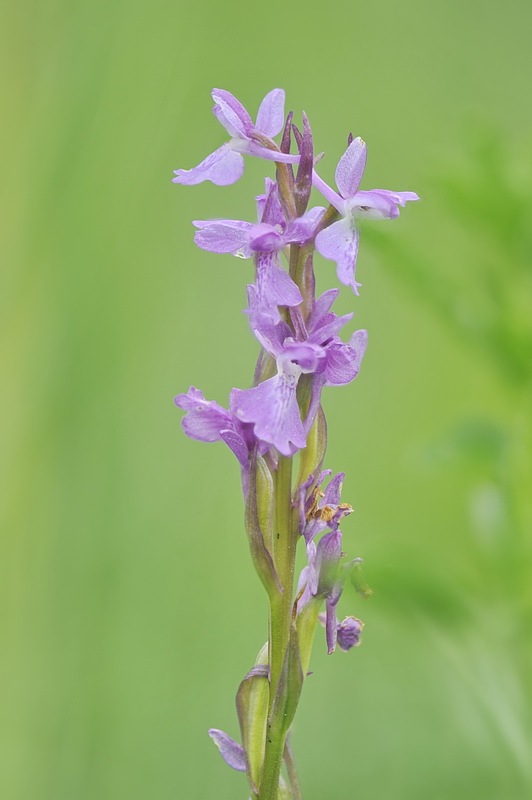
pixel 285 541
pixel 284 546
pixel 286 535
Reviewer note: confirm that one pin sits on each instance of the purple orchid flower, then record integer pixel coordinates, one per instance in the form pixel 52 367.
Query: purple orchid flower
pixel 343 360
pixel 272 405
pixel 265 240
pixel 321 579
pixel 317 350
pixel 339 242
pixel 324 578
pixel 206 421
pixel 348 633
pixel 226 164
pixel 321 510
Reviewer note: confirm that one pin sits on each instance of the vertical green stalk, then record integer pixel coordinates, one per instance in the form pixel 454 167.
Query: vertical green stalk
pixel 284 552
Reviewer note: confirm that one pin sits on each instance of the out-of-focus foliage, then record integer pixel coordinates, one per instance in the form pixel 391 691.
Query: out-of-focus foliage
pixel 488 195
pixel 129 611
pixel 483 291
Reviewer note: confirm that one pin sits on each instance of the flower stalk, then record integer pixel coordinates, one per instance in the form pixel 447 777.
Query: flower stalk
pixel 280 418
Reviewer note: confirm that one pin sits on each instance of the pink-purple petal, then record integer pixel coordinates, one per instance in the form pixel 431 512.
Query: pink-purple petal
pixel 266 238
pixel 205 418
pixel 269 208
pixel 343 363
pixel 302 229
pixel 231 113
pixel 322 306
pixel 223 236
pixel 307 356
pixel 359 342
pixel 273 409
pixel 270 118
pixel 379 203
pixel 223 167
pixel 236 443
pixel 274 284
pixel 232 753
pixel 333 492
pixel 339 242
pixel 403 197
pixel 328 327
pixel 351 168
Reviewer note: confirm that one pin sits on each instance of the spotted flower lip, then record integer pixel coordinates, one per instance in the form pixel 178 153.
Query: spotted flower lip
pixel 339 242
pixel 272 406
pixel 226 164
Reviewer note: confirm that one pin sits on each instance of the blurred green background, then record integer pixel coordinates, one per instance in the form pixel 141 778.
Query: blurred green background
pixel 129 610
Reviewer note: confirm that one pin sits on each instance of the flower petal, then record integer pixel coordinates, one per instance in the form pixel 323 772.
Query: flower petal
pixel 322 306
pixel 379 203
pixel 205 418
pixel 272 408
pixel 339 242
pixel 328 327
pixel 351 168
pixel 269 208
pixel 274 284
pixel 266 238
pixel 343 360
pixel 236 443
pixel 231 113
pixel 223 167
pixel 328 555
pixel 333 492
pixel 232 753
pixel 305 355
pixel 403 197
pixel 270 118
pixel 265 320
pixel 302 229
pixel 224 236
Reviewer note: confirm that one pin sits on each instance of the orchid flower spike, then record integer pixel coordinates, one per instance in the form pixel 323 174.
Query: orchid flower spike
pixel 226 164
pixel 339 242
